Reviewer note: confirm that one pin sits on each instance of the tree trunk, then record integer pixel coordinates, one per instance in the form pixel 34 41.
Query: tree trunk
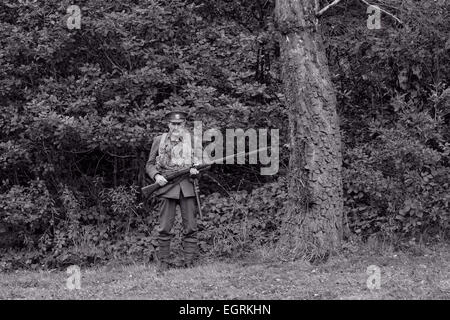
pixel 312 227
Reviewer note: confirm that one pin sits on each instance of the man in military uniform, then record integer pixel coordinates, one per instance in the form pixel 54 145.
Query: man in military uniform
pixel 171 152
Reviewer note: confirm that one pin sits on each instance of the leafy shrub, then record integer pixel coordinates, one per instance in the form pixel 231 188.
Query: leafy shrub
pixel 65 230
pixel 399 183
pixel 28 211
pixel 242 221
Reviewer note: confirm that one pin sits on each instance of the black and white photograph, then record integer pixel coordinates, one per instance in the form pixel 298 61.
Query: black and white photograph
pixel 235 152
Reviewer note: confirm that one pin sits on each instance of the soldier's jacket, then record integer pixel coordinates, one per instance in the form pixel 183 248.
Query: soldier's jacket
pixel 160 164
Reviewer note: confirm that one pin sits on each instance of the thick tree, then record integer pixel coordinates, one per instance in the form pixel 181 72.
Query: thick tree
pixel 313 225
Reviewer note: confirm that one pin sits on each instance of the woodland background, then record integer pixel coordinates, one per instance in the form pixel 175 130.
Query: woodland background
pixel 79 109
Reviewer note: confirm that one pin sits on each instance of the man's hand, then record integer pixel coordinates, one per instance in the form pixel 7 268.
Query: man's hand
pixel 193 173
pixel 159 179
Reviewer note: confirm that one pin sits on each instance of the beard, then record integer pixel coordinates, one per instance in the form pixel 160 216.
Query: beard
pixel 177 133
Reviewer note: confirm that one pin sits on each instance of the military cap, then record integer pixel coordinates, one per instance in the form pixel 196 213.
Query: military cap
pixel 176 116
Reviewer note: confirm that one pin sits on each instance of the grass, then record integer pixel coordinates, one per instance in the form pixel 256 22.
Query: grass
pixel 419 274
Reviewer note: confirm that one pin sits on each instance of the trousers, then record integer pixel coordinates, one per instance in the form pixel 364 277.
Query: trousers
pixel 167 218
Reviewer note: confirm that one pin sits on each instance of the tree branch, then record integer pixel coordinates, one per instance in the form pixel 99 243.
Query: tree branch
pixel 118 156
pixel 382 10
pixel 321 12
pixel 335 2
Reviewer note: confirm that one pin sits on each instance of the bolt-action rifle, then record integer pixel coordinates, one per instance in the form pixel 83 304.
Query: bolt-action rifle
pixel 148 190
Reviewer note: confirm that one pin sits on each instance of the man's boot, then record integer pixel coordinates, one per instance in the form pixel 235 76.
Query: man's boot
pixel 162 264
pixel 189 251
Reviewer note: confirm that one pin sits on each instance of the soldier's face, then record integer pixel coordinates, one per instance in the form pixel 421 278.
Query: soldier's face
pixel 176 127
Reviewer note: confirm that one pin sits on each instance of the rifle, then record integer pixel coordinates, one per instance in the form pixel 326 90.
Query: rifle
pixel 148 190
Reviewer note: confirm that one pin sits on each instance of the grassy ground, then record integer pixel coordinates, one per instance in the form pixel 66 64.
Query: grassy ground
pixel 419 274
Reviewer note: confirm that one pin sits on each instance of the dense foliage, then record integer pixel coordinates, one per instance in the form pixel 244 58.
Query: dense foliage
pixel 79 109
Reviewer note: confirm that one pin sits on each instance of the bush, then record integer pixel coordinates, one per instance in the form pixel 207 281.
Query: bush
pixel 28 211
pixel 398 185
pixel 242 221
pixel 66 230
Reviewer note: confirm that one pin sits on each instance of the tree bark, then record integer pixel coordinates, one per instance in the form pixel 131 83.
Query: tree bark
pixel 312 228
